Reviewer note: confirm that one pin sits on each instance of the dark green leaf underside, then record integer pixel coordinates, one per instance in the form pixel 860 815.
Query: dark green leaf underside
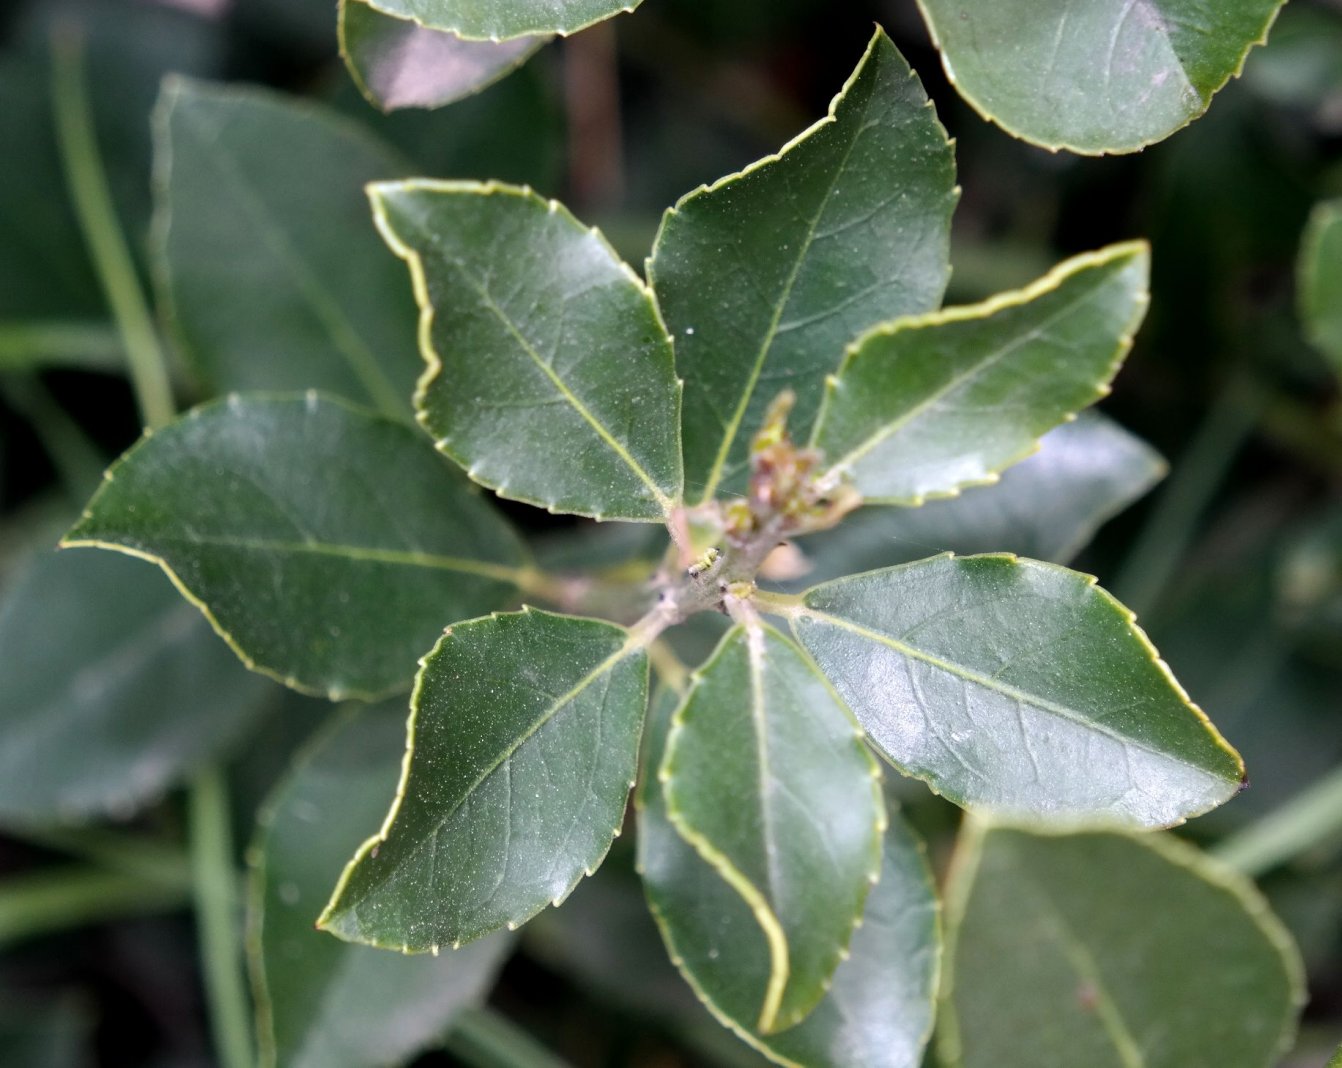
pixel 523 747
pixel 280 516
pixel 1019 686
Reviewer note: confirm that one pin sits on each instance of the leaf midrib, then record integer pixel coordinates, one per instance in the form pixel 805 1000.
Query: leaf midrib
pixel 481 290
pixel 785 296
pixel 996 685
pixel 345 336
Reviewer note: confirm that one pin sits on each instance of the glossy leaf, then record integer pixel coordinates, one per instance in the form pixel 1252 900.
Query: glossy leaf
pixel 1090 75
pixel 323 1003
pixel 550 374
pixel 272 277
pixel 878 1011
pixel 1107 949
pixel 281 519
pixel 523 746
pixel 1019 686
pixel 400 64
pixel 766 776
pixel 1047 507
pixel 927 405
pixel 496 20
pixel 1319 280
pixel 112 690
pixel 766 275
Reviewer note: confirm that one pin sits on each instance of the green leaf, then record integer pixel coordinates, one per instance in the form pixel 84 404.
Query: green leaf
pixel 523 745
pixel 1319 280
pixel 1335 1061
pixel 550 378
pixel 878 1011
pixel 1047 507
pixel 1018 686
pixel 496 20
pixel 766 776
pixel 1108 949
pixel 927 405
pixel 280 518
pixel 766 275
pixel 112 690
pixel 401 64
pixel 323 1003
pixel 1094 76
pixel 271 275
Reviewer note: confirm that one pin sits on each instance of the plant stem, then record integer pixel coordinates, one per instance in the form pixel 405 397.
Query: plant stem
pixel 1165 540
pixel 27 346
pixel 71 896
pixel 482 1038
pixel 1310 818
pixel 115 851
pixel 87 183
pixel 215 886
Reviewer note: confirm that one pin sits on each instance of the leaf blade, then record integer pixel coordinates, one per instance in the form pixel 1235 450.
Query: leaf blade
pixel 231 502
pixel 604 386
pixel 1112 926
pixel 740 791
pixel 879 1011
pixel 321 1002
pixel 484 712
pixel 760 232
pixel 400 64
pixel 911 394
pixel 1019 686
pixel 493 20
pixel 1319 280
pixel 1091 77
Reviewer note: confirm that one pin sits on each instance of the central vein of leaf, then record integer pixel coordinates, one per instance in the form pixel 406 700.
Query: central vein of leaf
pixel 616 446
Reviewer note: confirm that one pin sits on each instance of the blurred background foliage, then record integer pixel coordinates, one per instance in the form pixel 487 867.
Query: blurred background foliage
pixel 1234 563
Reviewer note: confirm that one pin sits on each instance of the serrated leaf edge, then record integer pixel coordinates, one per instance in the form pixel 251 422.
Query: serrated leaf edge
pixel 828 119
pixel 377 193
pixel 565 32
pixel 632 646
pixel 962 875
pixel 768 920
pixel 1137 251
pixel 986 114
pixel 796 609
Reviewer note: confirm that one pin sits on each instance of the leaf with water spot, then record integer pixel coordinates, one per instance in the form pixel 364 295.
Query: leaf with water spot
pixel 927 405
pixel 550 378
pixel 327 544
pixel 1019 686
pixel 271 276
pixel 398 63
pixel 766 275
pixel 1094 76
pixel 1109 950
pixel 766 776
pixel 523 745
